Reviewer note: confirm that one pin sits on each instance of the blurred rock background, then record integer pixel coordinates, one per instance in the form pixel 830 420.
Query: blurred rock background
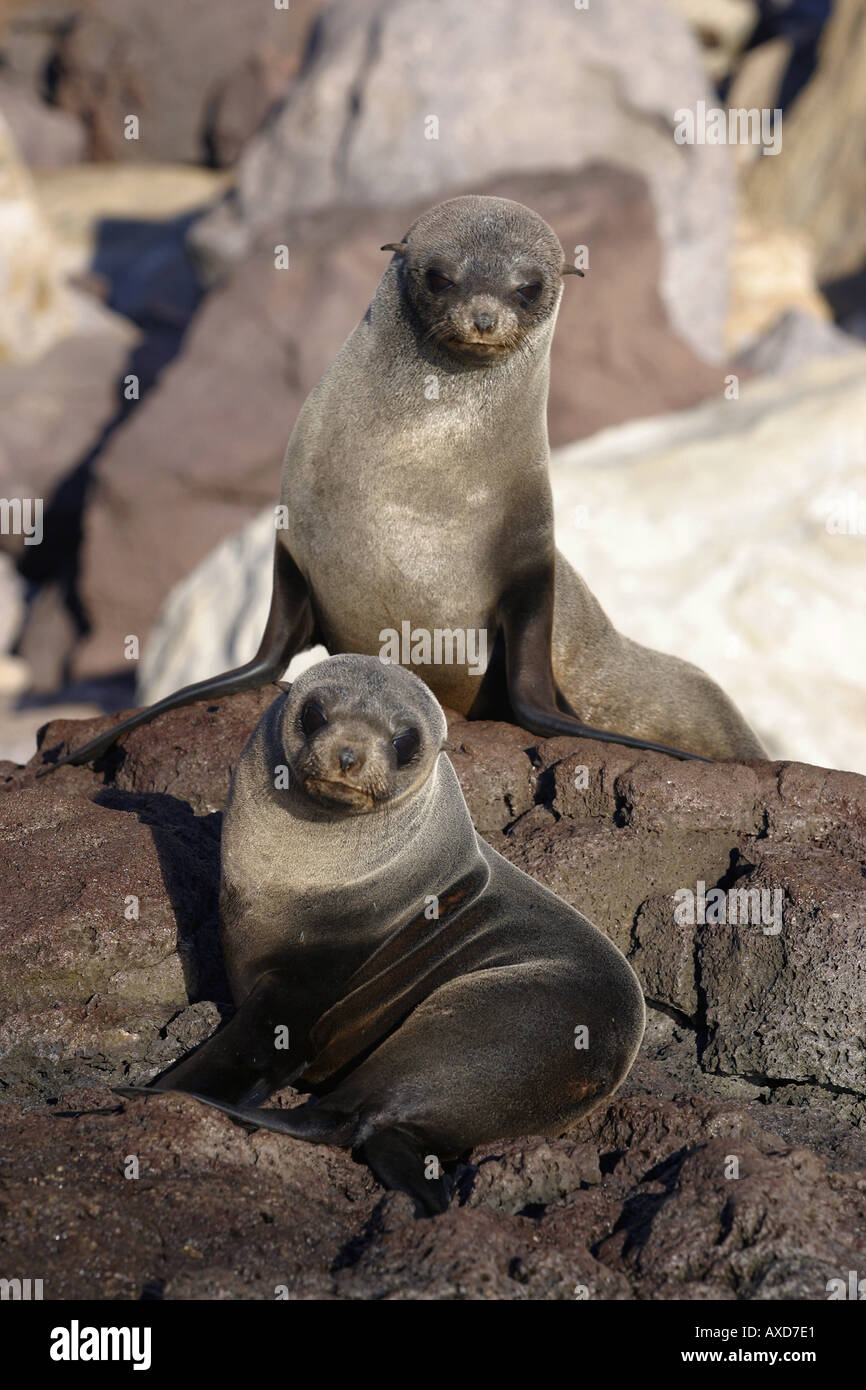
pixel 153 359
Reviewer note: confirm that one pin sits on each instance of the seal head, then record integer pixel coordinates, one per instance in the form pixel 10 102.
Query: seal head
pixel 357 734
pixel 481 276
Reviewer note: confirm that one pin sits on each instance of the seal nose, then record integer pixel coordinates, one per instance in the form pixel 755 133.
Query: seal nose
pixel 348 757
pixel 484 321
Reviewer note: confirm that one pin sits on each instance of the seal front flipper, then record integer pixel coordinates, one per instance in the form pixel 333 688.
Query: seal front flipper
pixel 313 1122
pixel 526 619
pixel 290 629
pixel 244 1061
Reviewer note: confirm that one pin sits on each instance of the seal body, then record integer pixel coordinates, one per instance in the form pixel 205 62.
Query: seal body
pixel 428 994
pixel 416 495
pixel 437 459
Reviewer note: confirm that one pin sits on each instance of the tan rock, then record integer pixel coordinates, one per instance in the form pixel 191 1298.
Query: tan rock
pixel 759 74
pixel 721 27
pixel 38 309
pixel 772 272
pixel 76 199
pixel 818 181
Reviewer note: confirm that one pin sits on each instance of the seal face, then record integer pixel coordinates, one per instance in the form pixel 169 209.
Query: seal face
pixel 353 755
pixel 430 992
pixel 479 297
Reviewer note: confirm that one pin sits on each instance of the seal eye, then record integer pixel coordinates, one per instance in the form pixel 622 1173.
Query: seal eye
pixel 529 293
pixel 406 745
pixel 438 282
pixel 313 717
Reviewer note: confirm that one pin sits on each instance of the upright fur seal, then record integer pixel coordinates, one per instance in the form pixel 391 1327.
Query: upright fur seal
pixel 416 490
pixel 383 957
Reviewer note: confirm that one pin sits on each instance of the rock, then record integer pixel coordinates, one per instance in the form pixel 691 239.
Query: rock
pixel 241 101
pixel 760 75
pixel 20 721
pixel 54 410
pixel 11 604
pixel 116 59
pixel 778 1005
pixel 193 635
pixel 61 356
pixel 49 633
pixel 792 343
pixel 287 1220
pixel 380 115
pixel 495 771
pixel 112 864
pixel 777 1232
pixel 772 273
pixel 263 1214
pixel 37 308
pixel 205 738
pixel 765 610
pixel 45 137
pixel 730 1165
pixel 78 202
pixel 722 28
pixel 818 183
pixel 215 428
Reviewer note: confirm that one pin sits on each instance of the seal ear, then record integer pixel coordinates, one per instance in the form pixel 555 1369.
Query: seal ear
pixel 572 270
pixel 398 247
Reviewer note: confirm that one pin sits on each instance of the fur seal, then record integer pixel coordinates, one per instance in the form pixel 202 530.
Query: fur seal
pixel 429 992
pixel 416 491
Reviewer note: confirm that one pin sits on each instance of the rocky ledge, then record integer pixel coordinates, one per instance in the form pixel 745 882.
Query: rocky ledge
pixel 732 1164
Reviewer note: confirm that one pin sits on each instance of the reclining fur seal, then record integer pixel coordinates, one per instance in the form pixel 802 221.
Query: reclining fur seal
pixel 383 957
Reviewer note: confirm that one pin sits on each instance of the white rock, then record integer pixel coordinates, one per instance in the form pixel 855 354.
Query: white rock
pixel 708 536
pixel 11 602
pixel 213 620
pixel 37 307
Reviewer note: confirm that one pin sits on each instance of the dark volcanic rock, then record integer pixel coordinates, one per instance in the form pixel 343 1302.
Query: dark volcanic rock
pixel 732 1164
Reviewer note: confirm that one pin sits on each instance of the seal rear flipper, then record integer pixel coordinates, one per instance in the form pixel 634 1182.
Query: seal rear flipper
pixel 397 1160
pixel 526 618
pixel 290 629
pixel 313 1123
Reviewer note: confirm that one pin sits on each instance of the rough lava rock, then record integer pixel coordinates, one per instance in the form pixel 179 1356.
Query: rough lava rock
pixel 732 1163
